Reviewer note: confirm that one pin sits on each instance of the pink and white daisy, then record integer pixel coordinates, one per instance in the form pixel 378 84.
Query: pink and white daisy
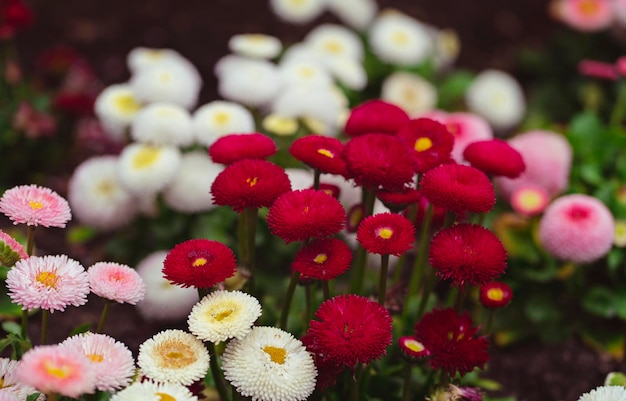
pixel 9 383
pixel 35 206
pixel 584 15
pixel 148 390
pixel 111 360
pixel 10 250
pixel 116 282
pixel 48 282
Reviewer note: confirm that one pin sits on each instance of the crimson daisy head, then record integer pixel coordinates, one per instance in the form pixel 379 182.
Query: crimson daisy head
pixel 431 141
pixel 412 349
pixel 303 214
pixel 375 116
pixel 398 201
pixel 495 157
pixel 234 147
pixel 467 253
pixel 378 161
pixel 199 263
pixel 495 295
pixel 350 329
pixel 458 188
pixel 249 183
pixel 322 259
pixel 386 234
pixel 320 152
pixel 35 206
pixel 452 342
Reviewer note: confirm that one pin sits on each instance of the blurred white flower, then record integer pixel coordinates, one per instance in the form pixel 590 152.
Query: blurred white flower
pixel 163 124
pixel 411 92
pixel 115 107
pixel 218 118
pixel 347 72
pixel 298 11
pixel 315 101
pixel 296 72
pixel 447 47
pixel 252 82
pixel 142 57
pixel 332 40
pixel 255 45
pixel 145 169
pixel 357 14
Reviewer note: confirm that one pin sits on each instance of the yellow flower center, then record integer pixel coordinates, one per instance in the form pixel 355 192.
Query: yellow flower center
pixel 279 125
pixel 2 383
pixel 35 205
pixel 95 358
pixel 333 46
pixel 307 72
pixel 59 371
pixel 146 156
pixel 105 187
pixel 127 104
pixel 221 118
pixel 49 279
pixel 219 316
pixel 321 258
pixel 423 144
pixel 400 38
pixel 495 294
pixel 277 354
pixel 154 54
pixel 384 232
pixel 199 262
pixel 414 345
pixel 174 354
pixel 326 153
pixel 252 181
pixel 165 397
pixel 530 199
pixel 165 77
pixel 588 7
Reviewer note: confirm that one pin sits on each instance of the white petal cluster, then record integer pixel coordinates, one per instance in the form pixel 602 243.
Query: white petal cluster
pixel 411 92
pixel 218 118
pixel 250 82
pixel 605 393
pixel 298 11
pixel 115 107
pixel 255 45
pixel 357 14
pixel 148 390
pixel 147 169
pixel 163 124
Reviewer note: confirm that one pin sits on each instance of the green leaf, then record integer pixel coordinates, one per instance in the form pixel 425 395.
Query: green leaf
pixel 600 301
pixel 33 396
pixel 81 329
pixel 12 327
pixel 80 234
pixel 615 379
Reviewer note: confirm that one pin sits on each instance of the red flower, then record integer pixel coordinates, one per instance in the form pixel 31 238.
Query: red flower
pixel 375 116
pixel 355 216
pixel 495 294
pixel 351 329
pixel 398 201
pixel 74 103
pixel 467 253
pixel 431 141
pixel 386 234
pixel 412 349
pixel 300 215
pixel 199 263
pixel 249 183
pixel 458 188
pixel 330 189
pixel 323 259
pixel 495 157
pixel 234 147
pixel 15 16
pixel 320 152
pixel 379 161
pixel 452 342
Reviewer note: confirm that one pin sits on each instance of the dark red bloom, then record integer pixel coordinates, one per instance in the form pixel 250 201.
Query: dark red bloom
pixel 451 340
pixel 234 147
pixel 300 215
pixel 386 234
pixel 467 253
pixel 15 16
pixel 398 201
pixel 495 157
pixel 322 259
pixel 330 189
pixel 350 329
pixel 320 152
pixel 199 263
pixel 74 103
pixel 378 161
pixel 458 188
pixel 375 116
pixel 495 295
pixel 249 183
pixel 431 141
pixel 412 349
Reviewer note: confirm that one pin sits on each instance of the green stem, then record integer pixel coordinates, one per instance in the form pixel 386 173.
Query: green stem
pixel 617 115
pixel 316 179
pixel 406 388
pixel 309 302
pixel 358 268
pixel 284 314
pixel 52 396
pixel 30 240
pixel 489 324
pixel 460 298
pixel 354 383
pixel 220 386
pixel 419 273
pixel 325 289
pixel 25 324
pixel 44 326
pixel 382 282
pixel 251 224
pixel 103 316
pixel 428 284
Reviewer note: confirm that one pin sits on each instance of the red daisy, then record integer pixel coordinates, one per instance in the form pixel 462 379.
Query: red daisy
pixel 386 234
pixel 351 329
pixel 495 294
pixel 379 161
pixel 451 340
pixel 412 349
pixel 467 253
pixel 199 263
pixel 300 215
pixel 234 147
pixel 375 116
pixel 458 188
pixel 431 141
pixel 323 259
pixel 320 152
pixel 249 183
pixel 495 157
pixel 398 201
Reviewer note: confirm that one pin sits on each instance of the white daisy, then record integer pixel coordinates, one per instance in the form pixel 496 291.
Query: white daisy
pixel 255 45
pixel 297 11
pixel 227 63
pixel 142 57
pixel 147 169
pixel 190 190
pixel 269 364
pixel 115 107
pixel 173 356
pixel 314 101
pixel 153 391
pixel 347 71
pixel 357 14
pixel 498 97
pixel 252 83
pixel 218 118
pixel 298 72
pixel 411 92
pixel 222 315
pixel 9 382
pixel 447 47
pixel 332 40
pixel 163 124
pixel 605 393
pixel 97 197
pixel 300 52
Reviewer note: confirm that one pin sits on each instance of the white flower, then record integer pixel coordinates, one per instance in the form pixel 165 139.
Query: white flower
pixel 163 301
pixel 411 92
pixel 146 169
pixel 190 190
pixel 314 101
pixel 142 57
pixel 173 356
pixel 9 382
pixel 269 364
pixel 228 63
pixel 163 124
pixel 498 97
pixel 347 71
pixel 356 13
pixel 297 11
pixel 255 45
pixel 605 393
pixel 218 118
pixel 97 197
pixel 115 107
pixel 332 40
pixel 153 391
pixel 251 82
pixel 447 47
pixel 222 315
pixel 399 39
pixel 300 52
pixel 296 72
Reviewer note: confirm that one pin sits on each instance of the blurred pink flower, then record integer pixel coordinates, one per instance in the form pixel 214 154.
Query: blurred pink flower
pixel 34 123
pixel 584 15
pixel 597 69
pixel 35 206
pixel 10 250
pixel 116 282
pixel 529 200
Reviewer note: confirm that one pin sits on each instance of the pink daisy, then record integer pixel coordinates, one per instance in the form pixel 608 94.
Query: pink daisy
pixel 584 15
pixel 116 282
pixel 577 227
pixel 10 250
pixel 375 116
pixel 57 369
pixel 234 147
pixel 386 234
pixel 9 383
pixel 48 282
pixel 111 360
pixel 35 206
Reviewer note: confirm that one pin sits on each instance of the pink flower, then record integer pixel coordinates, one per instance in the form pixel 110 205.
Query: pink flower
pixel 529 200
pixel 35 206
pixel 10 250
pixel 48 282
pixel 57 369
pixel 116 282
pixel 577 227
pixel 375 116
pixel 597 69
pixel 584 15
